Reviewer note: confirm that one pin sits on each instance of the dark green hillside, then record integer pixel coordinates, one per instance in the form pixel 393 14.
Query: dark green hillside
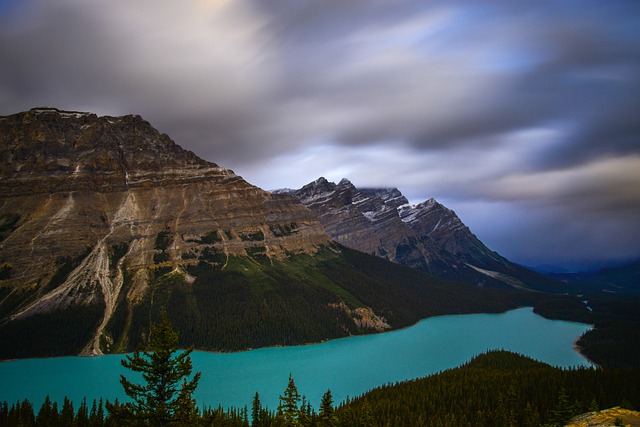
pixel 495 389
pixel 246 302
pixel 58 333
pixel 615 340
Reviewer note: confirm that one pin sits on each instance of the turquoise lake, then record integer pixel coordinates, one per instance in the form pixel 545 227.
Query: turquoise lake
pixel 348 366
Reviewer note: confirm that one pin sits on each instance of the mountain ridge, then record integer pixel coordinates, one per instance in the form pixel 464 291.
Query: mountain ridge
pixel 621 279
pixel 427 236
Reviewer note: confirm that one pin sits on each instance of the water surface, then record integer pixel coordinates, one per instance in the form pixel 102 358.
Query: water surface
pixel 348 366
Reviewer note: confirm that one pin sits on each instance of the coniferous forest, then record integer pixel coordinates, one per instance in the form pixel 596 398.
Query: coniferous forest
pixel 498 388
pixel 494 389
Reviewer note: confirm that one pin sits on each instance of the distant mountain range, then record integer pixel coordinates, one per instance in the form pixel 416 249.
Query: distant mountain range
pixel 427 236
pixel 104 222
pixel 623 279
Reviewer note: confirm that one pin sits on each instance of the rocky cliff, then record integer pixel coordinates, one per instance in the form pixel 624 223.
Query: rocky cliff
pixel 427 236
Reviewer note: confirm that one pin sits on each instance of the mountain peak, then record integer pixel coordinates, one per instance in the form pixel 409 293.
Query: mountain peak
pixel 427 236
pixel 47 149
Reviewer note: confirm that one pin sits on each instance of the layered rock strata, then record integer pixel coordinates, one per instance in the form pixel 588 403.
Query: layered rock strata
pixel 109 197
pixel 427 236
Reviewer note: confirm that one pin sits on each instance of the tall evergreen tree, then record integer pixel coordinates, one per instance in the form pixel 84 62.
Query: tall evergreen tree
pixel 563 410
pixel 161 400
pixel 82 416
pixel 93 415
pixel 27 416
pixel 366 415
pixel 44 417
pixel 4 413
pixel 67 413
pixel 256 411
pixel 327 417
pixel 288 410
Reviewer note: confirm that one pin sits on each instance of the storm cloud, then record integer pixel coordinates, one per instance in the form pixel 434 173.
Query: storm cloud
pixel 521 116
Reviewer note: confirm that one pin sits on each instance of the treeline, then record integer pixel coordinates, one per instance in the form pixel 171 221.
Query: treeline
pixel 615 338
pixel 494 389
pixel 255 301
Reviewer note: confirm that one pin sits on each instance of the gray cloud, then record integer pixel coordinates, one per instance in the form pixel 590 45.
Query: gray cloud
pixel 530 109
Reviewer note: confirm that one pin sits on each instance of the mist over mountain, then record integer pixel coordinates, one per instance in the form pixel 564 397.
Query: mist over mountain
pixel 619 279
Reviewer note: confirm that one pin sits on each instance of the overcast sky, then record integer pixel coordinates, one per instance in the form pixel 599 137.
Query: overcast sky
pixel 523 117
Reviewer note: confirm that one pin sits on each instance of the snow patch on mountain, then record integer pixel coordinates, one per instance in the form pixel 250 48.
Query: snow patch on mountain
pixel 511 281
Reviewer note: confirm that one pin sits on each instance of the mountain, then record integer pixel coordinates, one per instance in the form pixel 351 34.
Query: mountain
pixel 427 236
pixel 616 280
pixel 104 222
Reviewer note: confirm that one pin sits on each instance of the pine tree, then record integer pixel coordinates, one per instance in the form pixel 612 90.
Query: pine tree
pixel 4 413
pixel 44 417
pixel 55 415
pixel 93 415
pixel 256 410
pixel 327 417
pixel 563 410
pixel 531 417
pixel 288 410
pixel 366 415
pixel 96 417
pixel 161 400
pixel 67 413
pixel 306 412
pixel 27 417
pixel 82 416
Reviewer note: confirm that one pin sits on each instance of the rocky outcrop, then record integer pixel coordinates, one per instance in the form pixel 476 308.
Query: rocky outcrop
pixel 427 236
pixel 88 200
pixel 608 417
pixel 363 317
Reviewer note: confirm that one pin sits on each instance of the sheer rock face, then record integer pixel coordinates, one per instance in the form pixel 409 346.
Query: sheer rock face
pixel 354 219
pixel 427 236
pixel 112 196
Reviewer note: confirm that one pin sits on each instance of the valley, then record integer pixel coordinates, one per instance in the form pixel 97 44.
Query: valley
pixel 105 223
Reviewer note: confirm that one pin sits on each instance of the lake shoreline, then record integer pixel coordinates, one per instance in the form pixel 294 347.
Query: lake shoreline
pixel 310 343
pixel 349 366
